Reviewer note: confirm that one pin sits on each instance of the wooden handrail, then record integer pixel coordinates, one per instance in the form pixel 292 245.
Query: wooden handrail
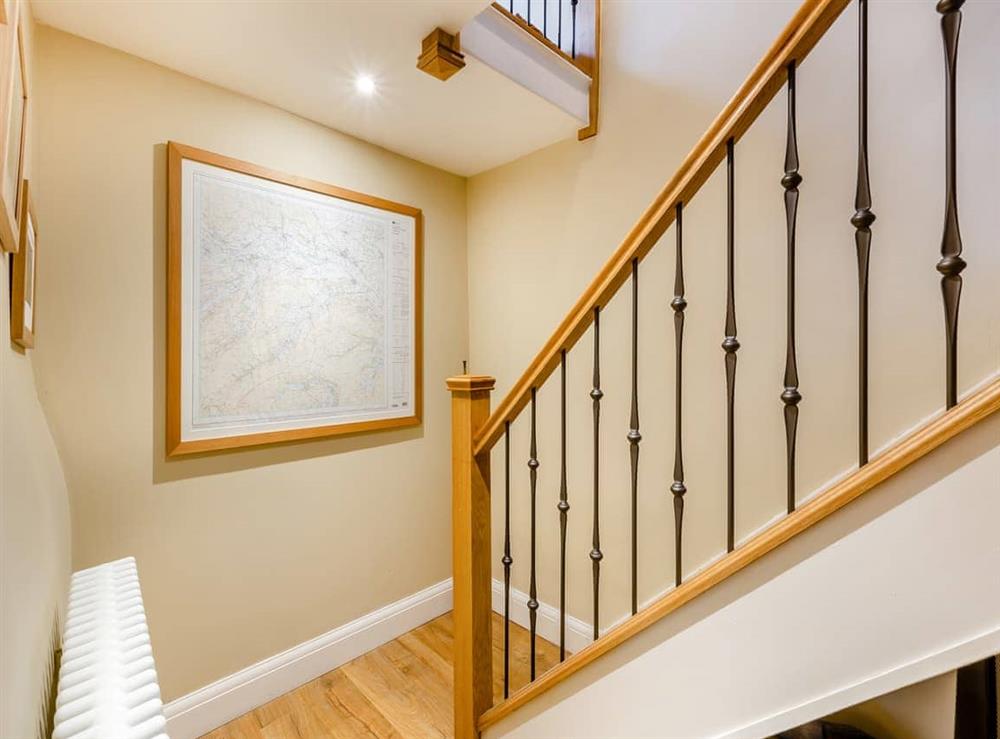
pixel 810 22
pixel 900 455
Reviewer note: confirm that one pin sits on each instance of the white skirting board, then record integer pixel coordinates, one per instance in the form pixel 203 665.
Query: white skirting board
pixel 578 633
pixel 218 703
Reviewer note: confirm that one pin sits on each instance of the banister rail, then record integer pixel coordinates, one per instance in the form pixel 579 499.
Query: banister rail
pixel 796 40
pixel 475 430
pixel 975 408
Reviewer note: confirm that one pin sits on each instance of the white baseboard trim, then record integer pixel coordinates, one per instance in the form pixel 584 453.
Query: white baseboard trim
pixel 578 633
pixel 923 668
pixel 217 703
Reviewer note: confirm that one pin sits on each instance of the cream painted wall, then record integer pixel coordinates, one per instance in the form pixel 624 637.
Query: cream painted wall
pixel 241 554
pixel 540 228
pixel 34 519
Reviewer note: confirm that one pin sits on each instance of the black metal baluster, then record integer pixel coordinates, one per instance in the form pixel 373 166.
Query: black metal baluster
pixel 559 25
pixel 595 553
pixel 573 4
pixel 507 561
pixel 563 507
pixel 791 395
pixel 951 264
pixel 678 304
pixel 862 221
pixel 730 345
pixel 634 437
pixel 545 18
pixel 533 590
pixel 529 12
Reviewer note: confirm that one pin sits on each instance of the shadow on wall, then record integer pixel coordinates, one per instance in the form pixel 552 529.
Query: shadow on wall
pixel 213 463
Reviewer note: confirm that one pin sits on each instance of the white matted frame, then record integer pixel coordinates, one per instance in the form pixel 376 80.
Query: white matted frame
pixel 293 307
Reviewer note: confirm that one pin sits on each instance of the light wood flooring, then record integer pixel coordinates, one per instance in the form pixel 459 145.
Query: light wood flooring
pixel 403 689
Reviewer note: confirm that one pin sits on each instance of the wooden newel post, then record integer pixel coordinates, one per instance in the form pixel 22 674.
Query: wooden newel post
pixel 470 524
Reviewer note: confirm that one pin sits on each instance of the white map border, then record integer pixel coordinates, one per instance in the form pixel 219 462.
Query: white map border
pixel 191 431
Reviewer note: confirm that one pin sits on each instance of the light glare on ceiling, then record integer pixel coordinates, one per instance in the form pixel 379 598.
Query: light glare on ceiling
pixel 365 84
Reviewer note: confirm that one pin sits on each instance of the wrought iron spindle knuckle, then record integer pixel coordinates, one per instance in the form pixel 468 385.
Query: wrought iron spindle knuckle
pixel 863 219
pixel 951 266
pixel 791 396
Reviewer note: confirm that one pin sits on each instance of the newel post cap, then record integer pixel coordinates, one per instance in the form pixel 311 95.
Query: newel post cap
pixel 470 383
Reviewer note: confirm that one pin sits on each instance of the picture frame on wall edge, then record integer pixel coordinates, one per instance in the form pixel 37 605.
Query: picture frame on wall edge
pixel 13 134
pixel 25 277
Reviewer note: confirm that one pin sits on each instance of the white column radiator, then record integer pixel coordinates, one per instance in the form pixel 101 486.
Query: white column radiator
pixel 107 681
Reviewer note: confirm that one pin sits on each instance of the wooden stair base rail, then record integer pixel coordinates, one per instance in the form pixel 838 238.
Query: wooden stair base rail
pixel 810 22
pixel 900 455
pixel 470 523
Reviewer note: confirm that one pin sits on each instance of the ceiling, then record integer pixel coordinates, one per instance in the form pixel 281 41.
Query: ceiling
pixel 304 55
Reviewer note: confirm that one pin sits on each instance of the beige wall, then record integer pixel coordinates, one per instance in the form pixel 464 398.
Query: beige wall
pixel 540 228
pixel 34 522
pixel 241 554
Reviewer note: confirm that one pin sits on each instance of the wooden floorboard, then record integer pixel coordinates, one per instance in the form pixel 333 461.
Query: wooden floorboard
pixel 402 690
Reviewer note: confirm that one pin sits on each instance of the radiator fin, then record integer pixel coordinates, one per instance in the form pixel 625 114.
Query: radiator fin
pixel 107 680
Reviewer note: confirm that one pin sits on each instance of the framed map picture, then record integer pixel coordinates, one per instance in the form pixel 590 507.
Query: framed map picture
pixel 293 307
pixel 23 277
pixel 14 86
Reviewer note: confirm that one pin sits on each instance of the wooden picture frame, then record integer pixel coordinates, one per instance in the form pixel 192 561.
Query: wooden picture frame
pixel 222 217
pixel 13 135
pixel 24 282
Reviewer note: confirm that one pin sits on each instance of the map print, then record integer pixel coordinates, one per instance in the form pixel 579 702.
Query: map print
pixel 301 307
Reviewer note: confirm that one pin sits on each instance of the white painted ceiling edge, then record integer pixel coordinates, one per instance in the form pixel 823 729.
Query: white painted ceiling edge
pixel 896 588
pixel 304 56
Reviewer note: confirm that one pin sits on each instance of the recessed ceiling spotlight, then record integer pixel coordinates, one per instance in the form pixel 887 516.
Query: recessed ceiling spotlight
pixel 365 84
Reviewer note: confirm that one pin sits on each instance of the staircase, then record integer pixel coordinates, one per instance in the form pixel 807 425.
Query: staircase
pixel 476 430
